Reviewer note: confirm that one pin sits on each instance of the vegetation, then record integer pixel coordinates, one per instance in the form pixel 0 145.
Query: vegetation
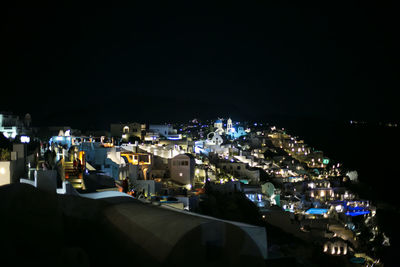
pixel 5 154
pixel 264 176
pixel 223 174
pixel 133 139
pixel 229 206
pixel 4 142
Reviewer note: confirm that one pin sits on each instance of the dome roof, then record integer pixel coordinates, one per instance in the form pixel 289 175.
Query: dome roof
pixel 218 121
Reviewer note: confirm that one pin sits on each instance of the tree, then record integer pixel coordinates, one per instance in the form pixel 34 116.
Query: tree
pixel 268 154
pixel 4 142
pixel 264 176
pixel 133 139
pixel 233 206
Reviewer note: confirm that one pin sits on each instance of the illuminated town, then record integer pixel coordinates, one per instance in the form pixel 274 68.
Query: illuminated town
pixel 198 169
pixel 256 133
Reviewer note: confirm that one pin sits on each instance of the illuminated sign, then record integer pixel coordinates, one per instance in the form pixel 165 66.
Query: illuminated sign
pixel 325 161
pixel 25 139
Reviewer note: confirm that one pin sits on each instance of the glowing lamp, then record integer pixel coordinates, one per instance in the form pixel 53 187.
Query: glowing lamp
pixel 25 139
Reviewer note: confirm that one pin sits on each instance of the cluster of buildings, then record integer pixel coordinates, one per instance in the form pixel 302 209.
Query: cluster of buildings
pixel 294 186
pixel 12 126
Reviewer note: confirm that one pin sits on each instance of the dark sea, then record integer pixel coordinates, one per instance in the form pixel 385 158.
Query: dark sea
pixel 369 148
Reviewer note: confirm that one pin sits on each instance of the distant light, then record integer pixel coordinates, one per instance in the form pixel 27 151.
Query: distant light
pixel 25 139
pixel 339 208
pixel 357 213
pixel 179 137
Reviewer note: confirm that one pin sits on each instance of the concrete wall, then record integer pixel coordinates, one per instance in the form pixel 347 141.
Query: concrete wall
pixel 118 172
pixel 19 165
pixel 240 169
pixel 163 130
pixel 47 180
pixel 149 186
pixel 182 169
pixel 133 172
pixel 135 129
pixel 134 233
pixel 11 171
pixel 21 150
pixel 171 238
pixel 157 174
pixel 95 156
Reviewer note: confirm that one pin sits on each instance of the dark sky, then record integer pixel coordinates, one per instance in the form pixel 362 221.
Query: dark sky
pixel 163 63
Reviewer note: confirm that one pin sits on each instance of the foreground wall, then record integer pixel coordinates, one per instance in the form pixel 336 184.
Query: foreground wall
pixel 177 239
pixel 68 230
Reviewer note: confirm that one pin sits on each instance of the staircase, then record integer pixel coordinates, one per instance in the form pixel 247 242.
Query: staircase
pixel 74 176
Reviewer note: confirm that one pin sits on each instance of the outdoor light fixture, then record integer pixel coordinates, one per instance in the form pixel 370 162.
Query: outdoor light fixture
pixel 25 139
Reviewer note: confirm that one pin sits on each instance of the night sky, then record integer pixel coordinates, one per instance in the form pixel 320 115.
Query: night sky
pixel 87 68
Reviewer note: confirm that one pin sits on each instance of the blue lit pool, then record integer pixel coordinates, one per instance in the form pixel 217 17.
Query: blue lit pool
pixel 316 211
